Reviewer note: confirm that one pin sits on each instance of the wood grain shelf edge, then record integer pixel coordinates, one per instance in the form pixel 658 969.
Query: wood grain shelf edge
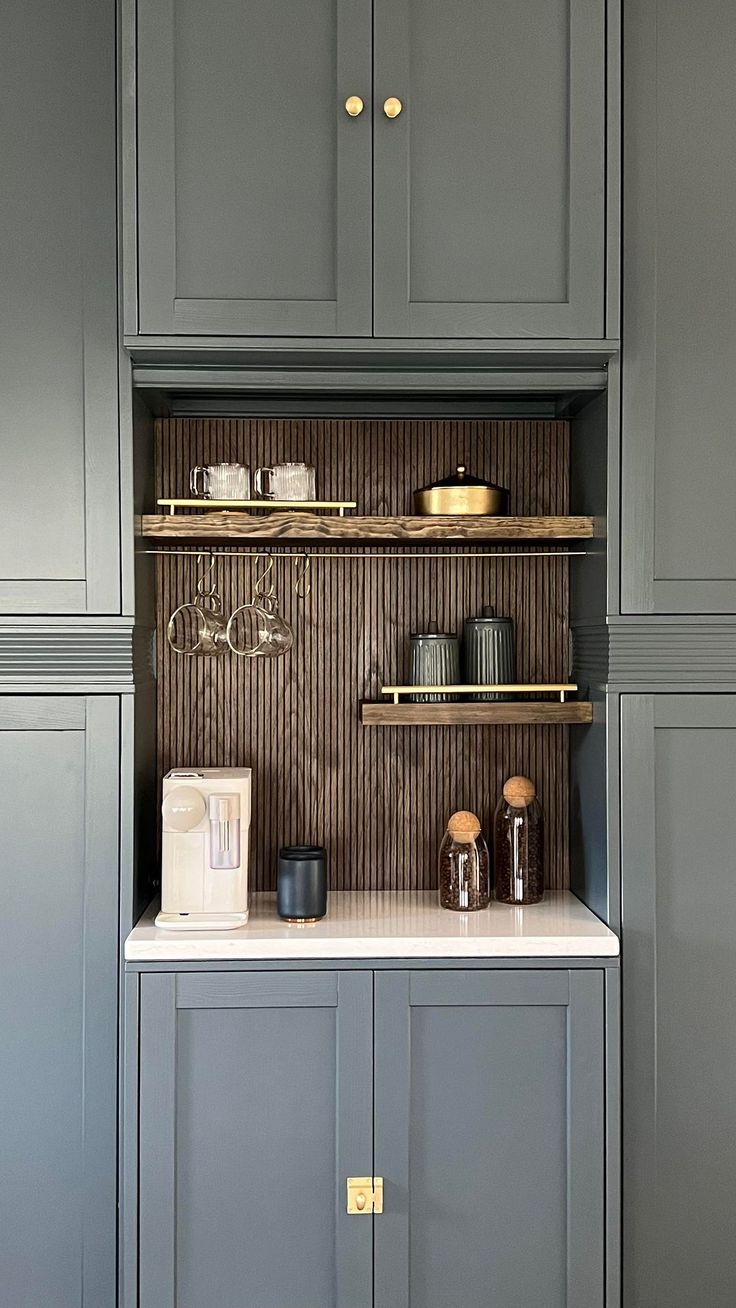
pixel 308 526
pixel 511 712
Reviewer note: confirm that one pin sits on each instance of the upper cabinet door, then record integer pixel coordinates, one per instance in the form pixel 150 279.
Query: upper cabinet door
pixel 254 183
pixel 489 203
pixel 678 539
pixel 59 528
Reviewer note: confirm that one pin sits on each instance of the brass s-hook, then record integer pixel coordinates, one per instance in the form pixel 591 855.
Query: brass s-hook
pixel 260 591
pixel 207 583
pixel 303 581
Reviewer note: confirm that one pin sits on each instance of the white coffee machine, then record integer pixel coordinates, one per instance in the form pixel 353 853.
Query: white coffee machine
pixel 206 825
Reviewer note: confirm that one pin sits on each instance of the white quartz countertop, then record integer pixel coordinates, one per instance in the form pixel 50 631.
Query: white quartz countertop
pixel 388 924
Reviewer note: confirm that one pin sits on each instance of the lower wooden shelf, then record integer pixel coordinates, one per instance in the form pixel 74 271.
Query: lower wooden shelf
pixel 498 713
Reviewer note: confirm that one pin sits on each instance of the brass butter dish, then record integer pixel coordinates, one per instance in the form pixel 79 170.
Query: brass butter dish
pixel 461 493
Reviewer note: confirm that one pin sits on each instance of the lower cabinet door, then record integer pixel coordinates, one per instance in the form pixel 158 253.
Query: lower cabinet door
pixel 489 1135
pixel 59 817
pixel 255 1105
pixel 678 859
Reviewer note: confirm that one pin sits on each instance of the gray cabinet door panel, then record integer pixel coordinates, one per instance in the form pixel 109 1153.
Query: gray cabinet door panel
pixel 489 1121
pixel 678 846
pixel 59 531
pixel 254 184
pixel 59 763
pixel 490 185
pixel 679 339
pixel 255 1106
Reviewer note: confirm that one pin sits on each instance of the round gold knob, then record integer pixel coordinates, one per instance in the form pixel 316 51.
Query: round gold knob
pixel 392 107
pixel 360 1201
pixel 354 106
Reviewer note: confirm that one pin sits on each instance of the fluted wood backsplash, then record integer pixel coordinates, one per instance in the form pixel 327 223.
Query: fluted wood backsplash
pixel 378 798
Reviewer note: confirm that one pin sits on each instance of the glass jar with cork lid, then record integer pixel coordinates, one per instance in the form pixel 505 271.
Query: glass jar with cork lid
pixel 517 844
pixel 464 865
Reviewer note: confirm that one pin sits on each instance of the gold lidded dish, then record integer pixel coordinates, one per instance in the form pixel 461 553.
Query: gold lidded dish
pixel 461 493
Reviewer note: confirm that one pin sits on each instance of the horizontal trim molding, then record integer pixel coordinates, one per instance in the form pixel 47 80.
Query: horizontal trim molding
pixel 659 652
pixel 54 654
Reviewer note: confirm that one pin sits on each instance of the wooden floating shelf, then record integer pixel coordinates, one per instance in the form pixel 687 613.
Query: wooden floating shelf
pixel 507 712
pixel 301 525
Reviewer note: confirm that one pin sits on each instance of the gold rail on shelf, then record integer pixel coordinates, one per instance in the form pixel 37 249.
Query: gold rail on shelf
pixel 304 505
pixel 561 688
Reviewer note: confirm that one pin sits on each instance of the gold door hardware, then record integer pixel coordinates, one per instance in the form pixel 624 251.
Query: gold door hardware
pixel 354 106
pixel 365 1194
pixel 392 107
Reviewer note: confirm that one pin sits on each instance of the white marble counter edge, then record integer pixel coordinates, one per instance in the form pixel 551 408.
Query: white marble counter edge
pixel 193 950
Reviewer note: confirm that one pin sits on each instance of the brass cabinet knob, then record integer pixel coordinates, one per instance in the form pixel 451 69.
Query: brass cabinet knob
pixel 392 107
pixel 360 1201
pixel 354 106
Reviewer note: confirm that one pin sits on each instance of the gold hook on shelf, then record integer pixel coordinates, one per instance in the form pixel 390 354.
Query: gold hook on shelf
pixel 303 582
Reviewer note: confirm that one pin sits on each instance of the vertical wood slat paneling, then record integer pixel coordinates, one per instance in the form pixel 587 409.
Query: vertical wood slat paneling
pixel 377 798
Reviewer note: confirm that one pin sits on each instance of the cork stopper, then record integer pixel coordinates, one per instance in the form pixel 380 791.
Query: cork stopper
pixel 464 827
pixel 519 791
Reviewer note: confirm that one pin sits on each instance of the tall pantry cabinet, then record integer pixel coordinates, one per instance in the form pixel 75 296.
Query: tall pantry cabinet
pixel 64 654
pixel 673 653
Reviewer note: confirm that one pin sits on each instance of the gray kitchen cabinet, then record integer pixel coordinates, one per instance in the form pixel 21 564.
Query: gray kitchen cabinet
pixel 59 761
pixel 255 1106
pixel 489 1119
pixel 489 198
pixel 678 540
pixel 257 206
pixel 678 827
pixel 253 183
pixel 478 1096
pixel 59 527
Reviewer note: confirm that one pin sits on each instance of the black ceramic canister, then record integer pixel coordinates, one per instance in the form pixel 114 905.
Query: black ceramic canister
pixel 489 656
pixel 301 887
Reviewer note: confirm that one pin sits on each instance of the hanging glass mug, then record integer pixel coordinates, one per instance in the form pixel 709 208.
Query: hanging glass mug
pixel 200 627
pixel 257 630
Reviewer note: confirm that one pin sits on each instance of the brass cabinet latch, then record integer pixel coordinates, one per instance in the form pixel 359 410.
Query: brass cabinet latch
pixel 365 1194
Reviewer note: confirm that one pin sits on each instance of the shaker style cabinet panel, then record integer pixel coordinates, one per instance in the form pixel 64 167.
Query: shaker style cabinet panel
pixel 260 206
pixel 679 363
pixel 255 1106
pixel 254 183
pixel 678 826
pixel 490 1138
pixel 59 761
pixel 490 184
pixel 477 1096
pixel 59 529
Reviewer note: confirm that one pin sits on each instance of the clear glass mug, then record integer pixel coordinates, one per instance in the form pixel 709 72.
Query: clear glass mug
pixel 257 630
pixel 220 481
pixel 286 481
pixel 198 628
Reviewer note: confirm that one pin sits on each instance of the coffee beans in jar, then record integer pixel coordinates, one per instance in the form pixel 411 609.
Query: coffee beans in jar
pixel 464 865
pixel 517 844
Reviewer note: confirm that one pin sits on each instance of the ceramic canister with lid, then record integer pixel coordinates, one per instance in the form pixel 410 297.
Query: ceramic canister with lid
pixel 489 655
pixel 434 661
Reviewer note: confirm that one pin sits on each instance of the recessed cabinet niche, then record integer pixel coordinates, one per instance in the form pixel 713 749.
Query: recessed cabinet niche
pixel 465 198
pixel 334 761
